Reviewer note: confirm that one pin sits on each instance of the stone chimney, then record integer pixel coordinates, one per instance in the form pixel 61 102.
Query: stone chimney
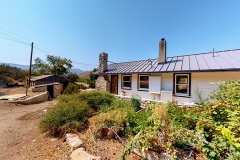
pixel 103 61
pixel 162 51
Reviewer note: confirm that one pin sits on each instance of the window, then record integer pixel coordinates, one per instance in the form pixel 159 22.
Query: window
pixel 182 84
pixel 126 81
pixel 143 82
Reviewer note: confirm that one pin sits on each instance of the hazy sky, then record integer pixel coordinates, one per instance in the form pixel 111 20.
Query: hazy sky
pixel 127 30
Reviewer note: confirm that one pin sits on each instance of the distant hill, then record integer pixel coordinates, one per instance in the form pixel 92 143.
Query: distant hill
pixel 26 67
pixel 84 74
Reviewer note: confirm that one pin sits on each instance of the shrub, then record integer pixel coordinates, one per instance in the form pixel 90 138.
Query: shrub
pixel 68 114
pixel 96 99
pixel 136 102
pixel 72 89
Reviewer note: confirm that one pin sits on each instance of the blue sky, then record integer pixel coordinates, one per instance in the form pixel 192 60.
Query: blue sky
pixel 127 30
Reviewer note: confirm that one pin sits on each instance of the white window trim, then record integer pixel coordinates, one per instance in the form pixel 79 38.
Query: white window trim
pixel 175 85
pixel 142 89
pixel 126 81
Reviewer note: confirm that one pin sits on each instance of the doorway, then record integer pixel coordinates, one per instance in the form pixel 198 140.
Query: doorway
pixel 114 84
pixel 50 91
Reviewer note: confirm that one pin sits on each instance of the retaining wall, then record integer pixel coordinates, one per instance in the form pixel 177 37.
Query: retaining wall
pixel 34 99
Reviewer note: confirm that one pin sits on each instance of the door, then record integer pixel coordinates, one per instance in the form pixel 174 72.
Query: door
pixel 50 91
pixel 114 84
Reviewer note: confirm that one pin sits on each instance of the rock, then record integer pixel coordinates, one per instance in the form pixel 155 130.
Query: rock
pixel 151 155
pixel 80 154
pixel 73 141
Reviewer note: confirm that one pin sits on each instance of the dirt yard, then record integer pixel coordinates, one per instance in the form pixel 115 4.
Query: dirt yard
pixel 22 140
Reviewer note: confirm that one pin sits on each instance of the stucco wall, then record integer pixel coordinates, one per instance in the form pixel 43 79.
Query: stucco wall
pixel 57 90
pixel 201 79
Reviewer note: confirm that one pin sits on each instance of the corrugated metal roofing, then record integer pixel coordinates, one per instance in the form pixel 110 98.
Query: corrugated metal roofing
pixel 41 77
pixel 228 60
pixel 48 84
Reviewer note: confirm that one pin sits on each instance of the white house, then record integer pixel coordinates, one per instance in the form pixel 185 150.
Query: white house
pixel 168 78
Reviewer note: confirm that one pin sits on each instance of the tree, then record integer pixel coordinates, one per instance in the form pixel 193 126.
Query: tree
pixel 55 65
pixel 92 79
pixel 72 77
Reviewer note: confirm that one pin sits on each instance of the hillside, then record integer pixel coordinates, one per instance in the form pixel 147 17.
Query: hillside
pixel 84 74
pixel 26 67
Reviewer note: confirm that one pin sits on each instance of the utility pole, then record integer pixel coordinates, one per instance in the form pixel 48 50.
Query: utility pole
pixel 30 68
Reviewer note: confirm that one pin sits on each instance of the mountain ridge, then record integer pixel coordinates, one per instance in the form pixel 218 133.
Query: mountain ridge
pixel 26 67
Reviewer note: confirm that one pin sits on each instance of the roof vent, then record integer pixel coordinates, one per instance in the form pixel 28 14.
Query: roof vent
pixel 162 51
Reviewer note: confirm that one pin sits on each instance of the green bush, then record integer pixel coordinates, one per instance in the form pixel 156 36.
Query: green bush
pixel 96 99
pixel 68 114
pixel 73 88
pixel 136 103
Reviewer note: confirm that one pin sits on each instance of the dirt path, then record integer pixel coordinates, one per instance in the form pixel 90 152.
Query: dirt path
pixel 20 136
pixel 22 140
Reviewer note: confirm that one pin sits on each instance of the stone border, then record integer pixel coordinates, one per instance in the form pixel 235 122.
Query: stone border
pixel 144 102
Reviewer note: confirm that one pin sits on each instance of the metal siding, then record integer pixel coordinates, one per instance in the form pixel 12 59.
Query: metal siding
pixel 158 68
pixel 210 62
pixel 154 66
pixel 235 55
pixel 185 65
pixel 201 62
pixel 178 66
pixel 172 64
pixel 138 67
pixel 142 65
pixel 165 66
pixel 150 65
pixel 193 63
pixel 229 59
pixel 221 62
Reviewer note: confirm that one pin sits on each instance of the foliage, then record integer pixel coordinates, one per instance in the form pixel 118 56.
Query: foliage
pixel 213 129
pixel 92 79
pixel 72 77
pixel 73 88
pixel 55 65
pixel 11 74
pixel 200 94
pixel 81 79
pixel 68 114
pixel 95 99
pixel 136 102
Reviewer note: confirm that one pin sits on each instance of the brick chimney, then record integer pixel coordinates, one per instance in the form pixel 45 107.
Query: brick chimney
pixel 103 61
pixel 162 51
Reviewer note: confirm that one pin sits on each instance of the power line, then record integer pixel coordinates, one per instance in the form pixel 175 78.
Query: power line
pixel 14 40
pixel 14 34
pixel 36 46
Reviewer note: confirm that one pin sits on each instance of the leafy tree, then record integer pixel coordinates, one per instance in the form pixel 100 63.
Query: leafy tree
pixel 72 77
pixel 55 65
pixel 92 79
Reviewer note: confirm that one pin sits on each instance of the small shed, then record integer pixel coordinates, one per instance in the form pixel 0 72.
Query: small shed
pixel 55 85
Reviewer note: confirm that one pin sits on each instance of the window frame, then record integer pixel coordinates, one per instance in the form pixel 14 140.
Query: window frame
pixel 129 88
pixel 188 84
pixel 142 89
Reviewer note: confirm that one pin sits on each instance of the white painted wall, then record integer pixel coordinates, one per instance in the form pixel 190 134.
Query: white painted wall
pixel 201 79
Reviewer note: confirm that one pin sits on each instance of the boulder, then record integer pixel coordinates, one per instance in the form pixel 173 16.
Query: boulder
pixel 73 141
pixel 81 154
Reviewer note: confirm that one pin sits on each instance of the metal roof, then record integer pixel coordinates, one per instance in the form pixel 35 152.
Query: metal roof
pixel 48 84
pixel 41 77
pixel 228 60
